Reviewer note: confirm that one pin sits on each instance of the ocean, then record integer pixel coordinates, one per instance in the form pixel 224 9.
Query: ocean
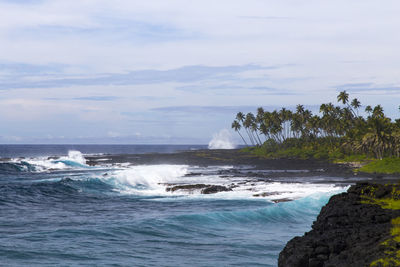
pixel 56 210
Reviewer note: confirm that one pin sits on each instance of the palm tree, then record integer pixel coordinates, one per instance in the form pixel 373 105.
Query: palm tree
pixel 285 117
pixel 254 129
pixel 240 117
pixel 343 97
pixel 260 114
pixel 299 109
pixel 314 123
pixel 247 123
pixel 296 124
pixel 378 111
pixel 368 109
pixel 251 121
pixel 236 126
pixel 339 127
pixel 356 104
pixel 260 120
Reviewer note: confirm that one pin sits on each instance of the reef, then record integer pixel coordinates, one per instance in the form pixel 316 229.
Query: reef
pixel 358 228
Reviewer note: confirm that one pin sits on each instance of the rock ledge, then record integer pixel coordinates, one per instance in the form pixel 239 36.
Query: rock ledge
pixel 349 231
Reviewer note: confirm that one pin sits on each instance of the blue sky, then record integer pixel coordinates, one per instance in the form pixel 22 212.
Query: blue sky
pixel 174 71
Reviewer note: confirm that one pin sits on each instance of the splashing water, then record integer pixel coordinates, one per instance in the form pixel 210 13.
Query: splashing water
pixel 76 156
pixel 148 179
pixel 75 159
pixel 222 140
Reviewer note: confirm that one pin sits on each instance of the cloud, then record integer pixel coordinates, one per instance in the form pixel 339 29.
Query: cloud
pixel 369 88
pixel 22 2
pixel 85 98
pixel 180 69
pixel 217 110
pixel 181 75
pixel 355 85
pixel 234 88
pixel 30 69
pixel 266 17
pixel 204 109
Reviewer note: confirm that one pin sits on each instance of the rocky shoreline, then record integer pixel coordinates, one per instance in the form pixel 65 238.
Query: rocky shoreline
pixel 249 165
pixel 357 228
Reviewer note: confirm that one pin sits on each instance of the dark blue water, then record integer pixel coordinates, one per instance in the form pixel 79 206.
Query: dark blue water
pixel 60 212
pixel 51 150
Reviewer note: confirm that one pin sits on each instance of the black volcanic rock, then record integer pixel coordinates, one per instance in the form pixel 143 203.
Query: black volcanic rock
pixel 346 232
pixel 188 187
pixel 215 189
pixel 205 188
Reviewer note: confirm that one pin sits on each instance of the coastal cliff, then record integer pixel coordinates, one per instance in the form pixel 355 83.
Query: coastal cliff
pixel 358 228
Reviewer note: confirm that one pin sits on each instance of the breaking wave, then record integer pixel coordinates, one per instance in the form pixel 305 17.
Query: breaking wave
pixel 75 159
pixel 146 179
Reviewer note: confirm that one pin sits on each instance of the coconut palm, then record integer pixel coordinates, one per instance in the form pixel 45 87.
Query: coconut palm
pixel 236 126
pixel 368 109
pixel 343 97
pixel 248 123
pixel 356 104
pixel 299 109
pixel 240 117
pixel 378 111
pixel 336 127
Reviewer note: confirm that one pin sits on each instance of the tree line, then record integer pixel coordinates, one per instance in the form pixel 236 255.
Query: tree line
pixel 340 126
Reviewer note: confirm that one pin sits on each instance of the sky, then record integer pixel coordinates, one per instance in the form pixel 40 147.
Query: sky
pixel 178 71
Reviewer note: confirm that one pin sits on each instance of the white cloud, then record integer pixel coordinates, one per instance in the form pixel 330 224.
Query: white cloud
pixel 316 44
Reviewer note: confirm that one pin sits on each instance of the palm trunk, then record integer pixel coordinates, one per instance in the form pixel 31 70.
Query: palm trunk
pixel 258 137
pixel 242 138
pixel 250 137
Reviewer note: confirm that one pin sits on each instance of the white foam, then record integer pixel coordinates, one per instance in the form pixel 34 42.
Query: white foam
pixel 44 163
pixel 75 156
pixel 279 190
pixel 146 179
pixel 222 140
pixel 153 180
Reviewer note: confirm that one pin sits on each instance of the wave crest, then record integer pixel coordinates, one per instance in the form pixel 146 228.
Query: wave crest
pixel 74 160
pixel 146 179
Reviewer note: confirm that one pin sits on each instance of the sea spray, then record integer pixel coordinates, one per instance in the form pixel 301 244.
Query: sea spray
pixel 222 140
pixel 146 179
pixel 75 156
pixel 74 160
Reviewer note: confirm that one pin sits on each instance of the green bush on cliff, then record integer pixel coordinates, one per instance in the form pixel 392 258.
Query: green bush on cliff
pixel 389 201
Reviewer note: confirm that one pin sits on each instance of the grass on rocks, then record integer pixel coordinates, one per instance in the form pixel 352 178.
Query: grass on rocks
pixel 391 245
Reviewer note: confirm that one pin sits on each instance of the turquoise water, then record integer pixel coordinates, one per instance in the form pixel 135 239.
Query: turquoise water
pixel 61 212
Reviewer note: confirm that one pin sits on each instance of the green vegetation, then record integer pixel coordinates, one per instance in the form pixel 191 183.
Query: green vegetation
pixel 386 165
pixel 320 148
pixel 337 133
pixel 391 245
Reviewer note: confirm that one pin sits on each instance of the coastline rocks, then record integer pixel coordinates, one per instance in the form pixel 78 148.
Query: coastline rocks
pixel 205 188
pixel 346 232
pixel 188 187
pixel 215 189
